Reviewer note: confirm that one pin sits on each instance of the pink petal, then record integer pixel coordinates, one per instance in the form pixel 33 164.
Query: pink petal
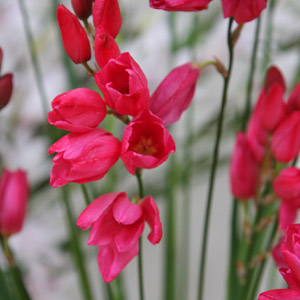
pixel 283 294
pixel 151 214
pixel 287 213
pixel 111 262
pixel 290 278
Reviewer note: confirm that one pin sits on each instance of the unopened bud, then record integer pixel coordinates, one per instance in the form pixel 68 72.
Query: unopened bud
pixel 82 8
pixel 220 67
pixel 6 87
pixel 236 34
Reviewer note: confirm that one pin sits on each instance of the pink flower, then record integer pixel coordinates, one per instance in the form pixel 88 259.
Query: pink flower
pixel 288 212
pixel 180 5
pixel 83 157
pixel 73 35
pixel 243 10
pixel 146 143
pixel 106 13
pixel 282 294
pixel 244 169
pixel 105 47
pixel 82 8
pixel 287 184
pixel 124 85
pixel 78 110
pixel 293 103
pixel 117 224
pixel 175 93
pixel 285 143
pixel 14 192
pixel 6 88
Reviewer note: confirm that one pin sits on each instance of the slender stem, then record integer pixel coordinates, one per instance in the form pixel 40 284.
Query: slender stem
pixel 251 76
pixel 85 194
pixel 5 292
pixel 170 249
pixel 140 256
pixel 77 251
pixel 89 70
pixel 14 271
pixel 36 66
pixel 214 166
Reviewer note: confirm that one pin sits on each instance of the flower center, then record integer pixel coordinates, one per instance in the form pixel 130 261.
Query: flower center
pixel 145 146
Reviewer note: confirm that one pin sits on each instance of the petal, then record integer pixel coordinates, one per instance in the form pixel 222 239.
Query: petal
pixel 151 214
pixel 111 262
pixel 290 278
pixel 95 209
pixel 283 294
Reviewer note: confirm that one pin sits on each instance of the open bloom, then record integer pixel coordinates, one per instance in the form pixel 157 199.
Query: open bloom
pixel 83 157
pixel 117 225
pixel 243 10
pixel 78 110
pixel 124 85
pixel 180 5
pixel 244 169
pixel 73 35
pixel 14 192
pixel 175 93
pixel 146 142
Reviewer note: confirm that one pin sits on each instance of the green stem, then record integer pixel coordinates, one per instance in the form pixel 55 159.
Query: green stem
pixel 5 292
pixel 214 166
pixel 85 194
pixel 170 234
pixel 140 256
pixel 251 76
pixel 77 251
pixel 15 273
pixel 36 66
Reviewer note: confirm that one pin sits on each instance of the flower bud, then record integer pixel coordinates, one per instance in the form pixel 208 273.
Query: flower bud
pixel 6 88
pixel 175 93
pixel 74 37
pixel 82 8
pixel 180 5
pixel 105 47
pixel 107 14
pixel 78 110
pixel 14 192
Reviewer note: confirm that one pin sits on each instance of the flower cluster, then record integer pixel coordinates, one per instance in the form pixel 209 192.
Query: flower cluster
pixel 241 10
pixel 288 259
pixel 272 138
pixel 88 152
pixel 6 85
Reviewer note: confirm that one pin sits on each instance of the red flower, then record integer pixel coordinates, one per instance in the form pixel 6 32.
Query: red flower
pixel 244 169
pixel 78 110
pixel 6 88
pixel 83 157
pixel 14 192
pixel 106 13
pixel 293 103
pixel 243 10
pixel 117 225
pixel 146 143
pixel 180 5
pixel 124 85
pixel 285 143
pixel 82 8
pixel 175 93
pixel 105 47
pixel 73 35
pixel 282 294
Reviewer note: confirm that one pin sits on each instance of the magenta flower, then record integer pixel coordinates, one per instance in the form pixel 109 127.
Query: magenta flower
pixel 83 157
pixel 243 10
pixel 175 93
pixel 180 5
pixel 106 13
pixel 244 169
pixel 73 35
pixel 146 142
pixel 117 225
pixel 124 85
pixel 78 110
pixel 6 88
pixel 14 192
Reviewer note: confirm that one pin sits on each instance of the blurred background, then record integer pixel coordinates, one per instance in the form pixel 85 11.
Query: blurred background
pixel 158 41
